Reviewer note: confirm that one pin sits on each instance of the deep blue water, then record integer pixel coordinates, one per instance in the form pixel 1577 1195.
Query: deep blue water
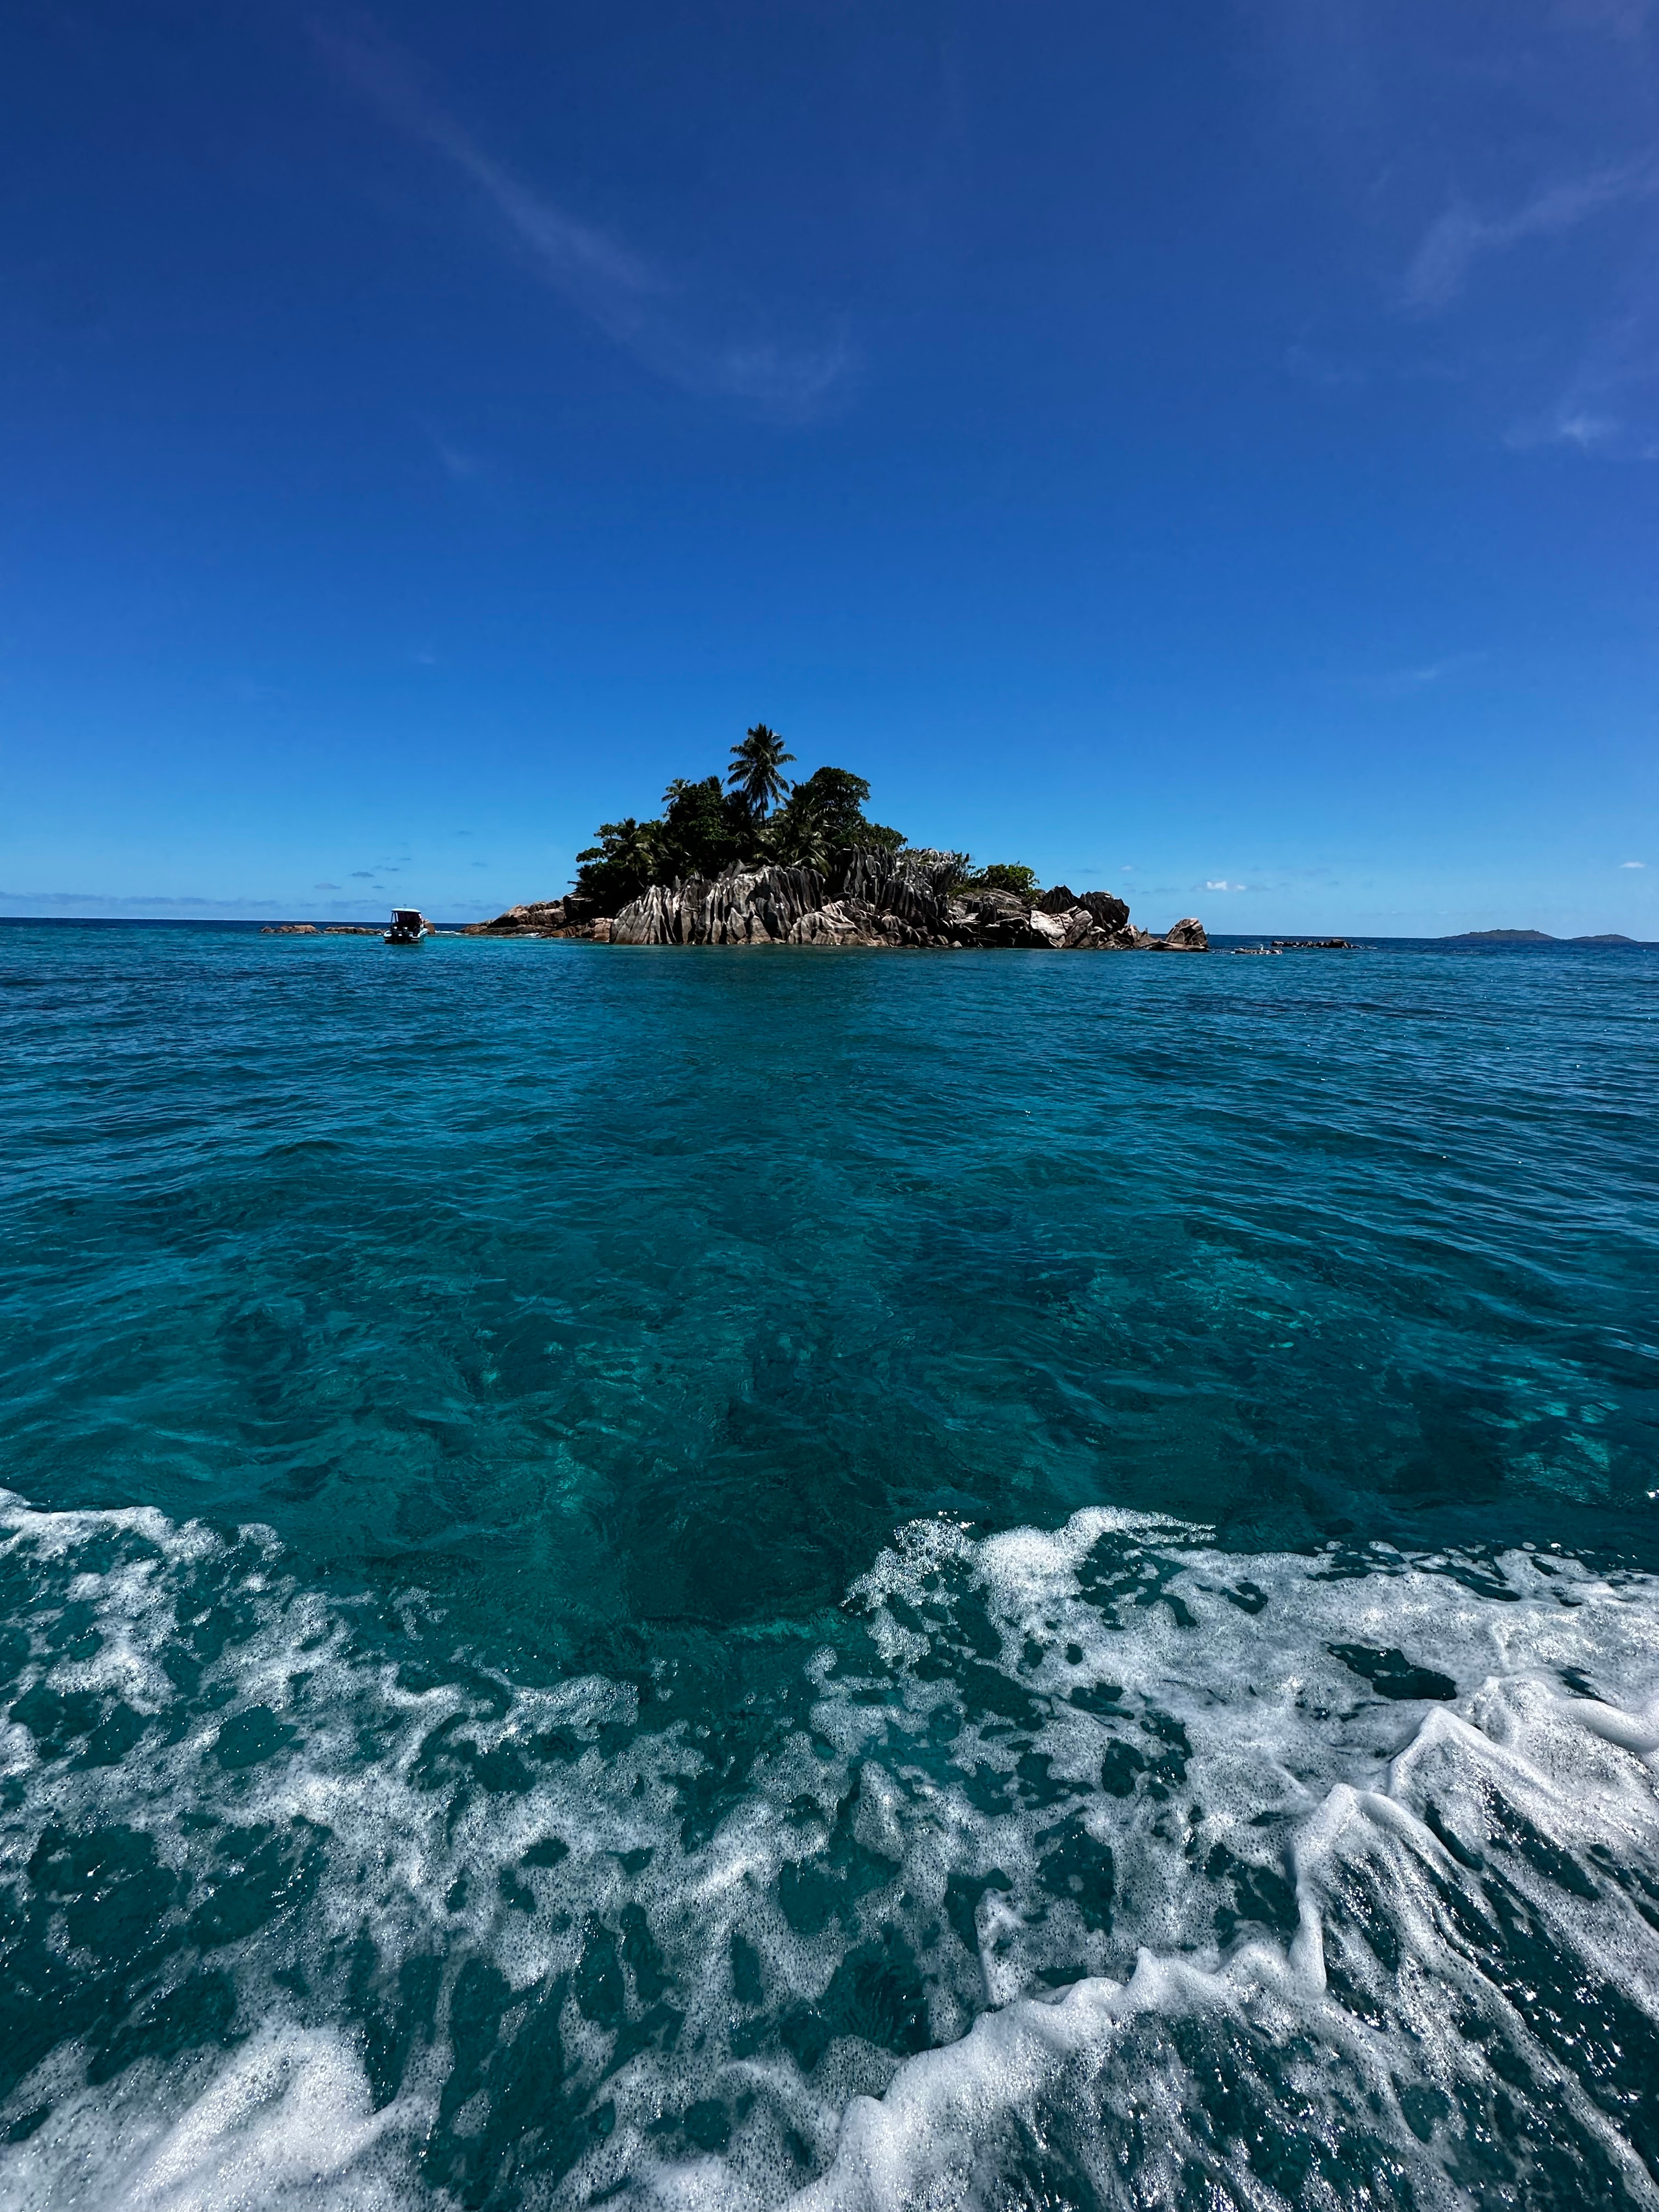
pixel 687 1574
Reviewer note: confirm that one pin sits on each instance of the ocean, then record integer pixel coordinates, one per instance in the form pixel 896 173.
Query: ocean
pixel 707 1577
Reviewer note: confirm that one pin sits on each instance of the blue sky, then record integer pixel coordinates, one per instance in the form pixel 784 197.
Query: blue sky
pixel 1208 452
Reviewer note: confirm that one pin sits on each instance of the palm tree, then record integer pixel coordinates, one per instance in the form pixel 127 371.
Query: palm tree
pixel 754 772
pixel 636 847
pixel 627 857
pixel 797 837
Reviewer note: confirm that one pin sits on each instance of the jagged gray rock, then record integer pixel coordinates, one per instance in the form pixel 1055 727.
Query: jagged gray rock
pixel 1187 936
pixel 742 907
pixel 913 886
pixel 838 923
pixel 855 921
pixel 1109 911
pixel 984 918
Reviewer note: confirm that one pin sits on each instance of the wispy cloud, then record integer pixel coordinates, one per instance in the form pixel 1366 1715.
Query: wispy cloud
pixel 325 887
pixel 1522 134
pixel 460 467
pixel 1456 240
pixel 1613 437
pixel 1632 864
pixel 1325 372
pixel 1608 408
pixel 637 304
pixel 1625 19
pixel 1424 675
pixel 1222 885
pixel 1577 427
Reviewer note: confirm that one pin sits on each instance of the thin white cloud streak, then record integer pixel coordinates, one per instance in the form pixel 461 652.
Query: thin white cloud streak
pixel 632 301
pixel 1608 408
pixel 1585 430
pixel 1400 682
pixel 459 466
pixel 1632 864
pixel 1402 99
pixel 1460 237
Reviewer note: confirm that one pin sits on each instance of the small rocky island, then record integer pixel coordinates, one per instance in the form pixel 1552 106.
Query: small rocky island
pixel 766 862
pixel 865 898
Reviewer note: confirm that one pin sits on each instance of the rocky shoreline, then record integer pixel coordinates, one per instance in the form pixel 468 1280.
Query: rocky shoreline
pixel 865 898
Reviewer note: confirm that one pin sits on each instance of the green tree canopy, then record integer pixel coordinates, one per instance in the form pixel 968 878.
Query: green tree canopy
pixel 825 814
pixel 1005 876
pixel 619 867
pixel 706 828
pixel 703 829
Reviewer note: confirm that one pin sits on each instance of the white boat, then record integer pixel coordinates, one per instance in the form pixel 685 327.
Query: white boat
pixel 409 926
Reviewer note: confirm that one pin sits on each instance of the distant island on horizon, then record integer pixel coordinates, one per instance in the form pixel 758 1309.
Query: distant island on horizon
pixel 1535 936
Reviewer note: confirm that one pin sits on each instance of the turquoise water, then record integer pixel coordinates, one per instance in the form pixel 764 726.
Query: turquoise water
pixel 690 1576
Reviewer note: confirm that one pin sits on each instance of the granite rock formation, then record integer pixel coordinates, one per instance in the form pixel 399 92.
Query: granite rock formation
pixel 559 917
pixel 1186 936
pixel 866 897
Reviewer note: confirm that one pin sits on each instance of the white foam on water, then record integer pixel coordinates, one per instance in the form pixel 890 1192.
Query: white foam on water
pixel 1272 1724
pixel 1058 1833
pixel 287 2121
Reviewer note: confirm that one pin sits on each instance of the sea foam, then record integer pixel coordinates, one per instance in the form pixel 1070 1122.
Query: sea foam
pixel 1097 1864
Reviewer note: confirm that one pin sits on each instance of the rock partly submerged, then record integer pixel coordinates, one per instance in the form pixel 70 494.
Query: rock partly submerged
pixel 1278 945
pixel 864 898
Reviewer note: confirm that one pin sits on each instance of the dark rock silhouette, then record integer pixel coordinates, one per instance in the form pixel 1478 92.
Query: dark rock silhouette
pixel 1109 911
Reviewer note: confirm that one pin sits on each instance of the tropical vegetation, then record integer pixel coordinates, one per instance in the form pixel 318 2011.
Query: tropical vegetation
pixel 757 818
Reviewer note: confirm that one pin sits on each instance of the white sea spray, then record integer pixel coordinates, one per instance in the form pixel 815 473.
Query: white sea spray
pixel 1100 1861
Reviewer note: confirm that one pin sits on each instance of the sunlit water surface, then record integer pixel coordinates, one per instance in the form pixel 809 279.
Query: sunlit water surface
pixel 686 1577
